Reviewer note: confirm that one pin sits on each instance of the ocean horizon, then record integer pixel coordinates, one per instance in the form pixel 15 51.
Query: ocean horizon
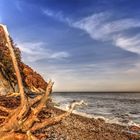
pixel 96 92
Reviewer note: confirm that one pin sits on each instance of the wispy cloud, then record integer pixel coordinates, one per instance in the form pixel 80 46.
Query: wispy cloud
pixel 18 6
pixel 89 80
pixel 133 71
pixel 34 51
pixel 101 27
pixel 129 43
pixel 93 25
pixel 56 15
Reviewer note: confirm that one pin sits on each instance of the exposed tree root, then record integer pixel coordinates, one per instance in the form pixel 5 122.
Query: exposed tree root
pixel 9 110
pixel 3 117
pixel 15 94
pixel 30 123
pixel 39 90
pixel 23 121
pixel 34 100
pixel 56 119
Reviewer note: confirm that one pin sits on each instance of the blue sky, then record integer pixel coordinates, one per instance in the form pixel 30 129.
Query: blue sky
pixel 82 45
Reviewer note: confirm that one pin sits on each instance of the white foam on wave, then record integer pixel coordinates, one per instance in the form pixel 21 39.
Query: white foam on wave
pixel 107 120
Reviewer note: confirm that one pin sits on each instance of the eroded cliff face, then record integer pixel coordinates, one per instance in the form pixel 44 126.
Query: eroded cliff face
pixel 8 83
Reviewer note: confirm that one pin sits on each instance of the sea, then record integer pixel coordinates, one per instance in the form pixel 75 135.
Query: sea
pixel 121 108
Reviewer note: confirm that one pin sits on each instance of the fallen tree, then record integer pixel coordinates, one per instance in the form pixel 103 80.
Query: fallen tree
pixel 23 121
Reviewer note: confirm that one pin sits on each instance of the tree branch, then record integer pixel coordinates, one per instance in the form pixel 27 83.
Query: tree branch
pixel 15 65
pixel 54 120
pixel 34 100
pixel 9 110
pixel 35 111
pixel 12 123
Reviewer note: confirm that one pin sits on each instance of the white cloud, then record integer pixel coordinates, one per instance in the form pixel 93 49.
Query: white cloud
pixel 34 51
pixel 89 80
pixel 129 43
pixel 92 25
pixel 56 15
pixel 48 12
pixel 100 27
pixel 59 55
pixel 120 25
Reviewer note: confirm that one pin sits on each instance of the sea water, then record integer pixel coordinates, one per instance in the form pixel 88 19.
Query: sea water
pixel 121 108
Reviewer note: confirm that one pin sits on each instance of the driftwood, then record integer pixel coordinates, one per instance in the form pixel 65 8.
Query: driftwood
pixel 23 121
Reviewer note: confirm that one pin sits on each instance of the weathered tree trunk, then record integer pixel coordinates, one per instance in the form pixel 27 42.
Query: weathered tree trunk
pixel 23 121
pixel 15 65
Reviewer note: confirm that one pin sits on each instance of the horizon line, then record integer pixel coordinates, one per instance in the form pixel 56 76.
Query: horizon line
pixel 100 91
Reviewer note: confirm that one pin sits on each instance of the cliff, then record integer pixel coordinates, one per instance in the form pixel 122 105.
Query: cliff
pixel 8 83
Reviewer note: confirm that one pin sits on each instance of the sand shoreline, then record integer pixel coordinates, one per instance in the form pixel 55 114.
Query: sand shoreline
pixel 84 128
pixel 76 127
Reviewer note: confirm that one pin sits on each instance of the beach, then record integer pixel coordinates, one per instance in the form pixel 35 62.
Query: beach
pixel 75 127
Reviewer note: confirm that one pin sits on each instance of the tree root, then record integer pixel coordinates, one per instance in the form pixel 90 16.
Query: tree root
pixel 15 94
pixel 56 119
pixel 9 110
pixel 34 100
pixel 31 123
pixel 35 111
pixel 23 121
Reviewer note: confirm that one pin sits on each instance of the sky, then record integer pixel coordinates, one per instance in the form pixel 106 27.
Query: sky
pixel 82 45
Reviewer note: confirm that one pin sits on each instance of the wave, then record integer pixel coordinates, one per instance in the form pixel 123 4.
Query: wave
pixel 107 120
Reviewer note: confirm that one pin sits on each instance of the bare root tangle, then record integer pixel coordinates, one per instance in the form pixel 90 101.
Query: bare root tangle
pixel 33 116
pixel 23 108
pixel 35 111
pixel 15 94
pixel 14 118
pixel 39 90
pixel 23 121
pixel 9 110
pixel 54 120
pixel 34 100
